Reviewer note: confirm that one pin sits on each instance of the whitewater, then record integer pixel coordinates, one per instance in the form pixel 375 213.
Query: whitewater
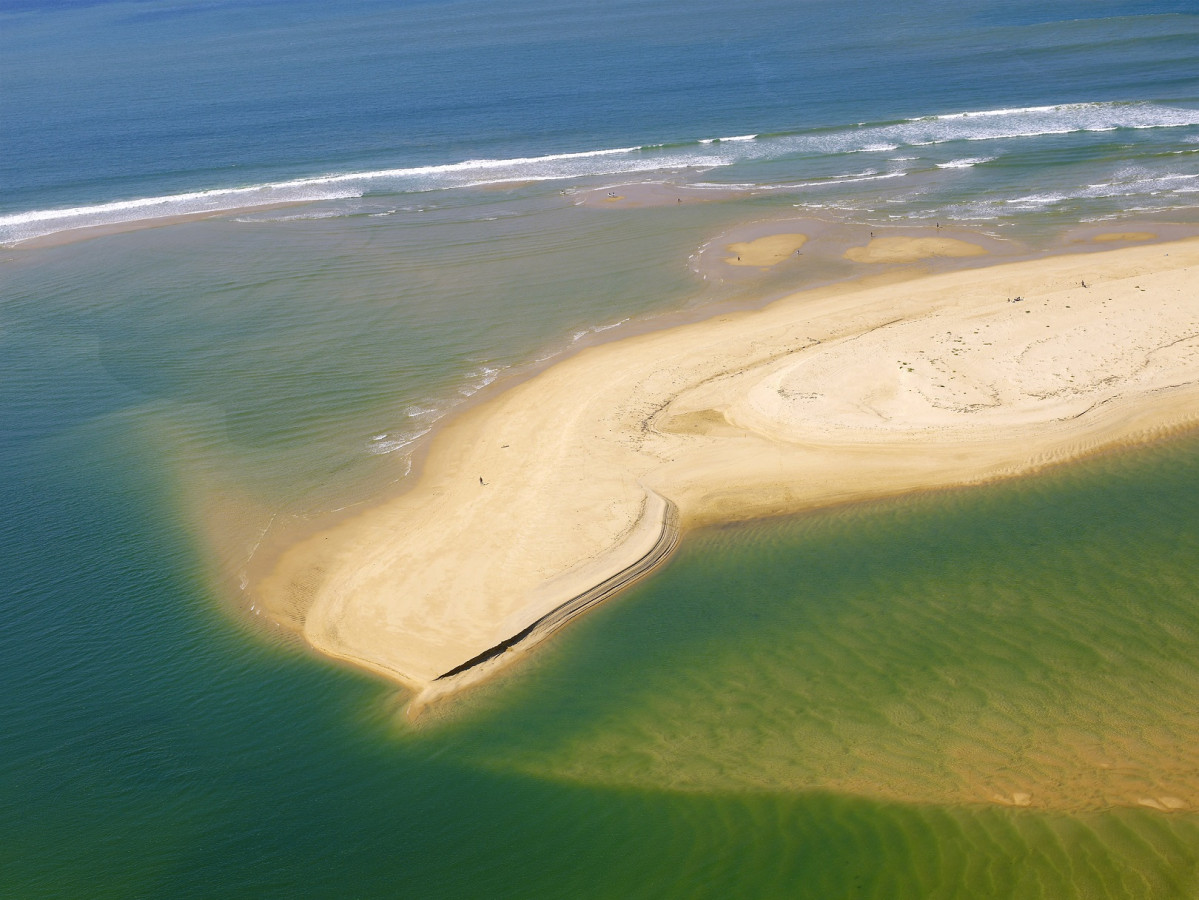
pixel 807 151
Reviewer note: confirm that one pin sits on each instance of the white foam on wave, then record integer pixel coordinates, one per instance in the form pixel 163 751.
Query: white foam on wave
pixel 1018 122
pixel 479 379
pixel 1126 183
pixel 868 176
pixel 1012 111
pixel 23 226
pixel 424 412
pixel 1022 122
pixel 1131 189
pixel 966 163
pixel 596 329
pixel 842 180
pixel 35 223
pixel 726 186
pixel 1045 199
pixel 387 443
pixel 312 216
pixel 422 417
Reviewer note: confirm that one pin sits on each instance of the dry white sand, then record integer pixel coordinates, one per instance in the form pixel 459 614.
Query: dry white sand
pixel 825 396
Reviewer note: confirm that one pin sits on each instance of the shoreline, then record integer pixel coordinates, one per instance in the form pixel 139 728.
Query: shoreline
pixel 659 523
pixel 705 416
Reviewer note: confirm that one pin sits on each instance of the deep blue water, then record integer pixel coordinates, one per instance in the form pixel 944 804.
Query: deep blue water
pixel 123 100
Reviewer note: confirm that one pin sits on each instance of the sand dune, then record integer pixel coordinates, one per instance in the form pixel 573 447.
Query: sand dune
pixel 570 480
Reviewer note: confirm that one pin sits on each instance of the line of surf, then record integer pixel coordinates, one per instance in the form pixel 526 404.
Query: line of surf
pixel 705 153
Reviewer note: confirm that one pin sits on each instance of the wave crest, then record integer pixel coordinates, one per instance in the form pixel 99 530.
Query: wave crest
pixel 705 153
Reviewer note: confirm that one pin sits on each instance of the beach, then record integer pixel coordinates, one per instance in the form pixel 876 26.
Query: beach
pixel 570 480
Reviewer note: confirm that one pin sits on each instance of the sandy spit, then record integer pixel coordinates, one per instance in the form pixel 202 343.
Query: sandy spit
pixel 576 477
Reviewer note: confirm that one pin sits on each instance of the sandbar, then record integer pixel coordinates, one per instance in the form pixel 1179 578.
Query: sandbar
pixel 583 476
pixel 1123 236
pixel 765 251
pixel 911 249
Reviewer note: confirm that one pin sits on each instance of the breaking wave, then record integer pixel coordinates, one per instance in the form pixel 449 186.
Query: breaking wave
pixel 703 154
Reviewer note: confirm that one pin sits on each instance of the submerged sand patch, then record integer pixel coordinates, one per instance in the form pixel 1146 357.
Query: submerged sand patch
pixel 961 738
pixel 1123 236
pixel 531 500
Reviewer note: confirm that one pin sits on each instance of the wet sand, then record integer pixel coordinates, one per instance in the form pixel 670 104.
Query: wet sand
pixel 765 251
pixel 574 479
pixel 905 249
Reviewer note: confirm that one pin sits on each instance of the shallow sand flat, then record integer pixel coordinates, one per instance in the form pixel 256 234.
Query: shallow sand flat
pixel 1122 236
pixel 825 396
pixel 765 251
pixel 911 249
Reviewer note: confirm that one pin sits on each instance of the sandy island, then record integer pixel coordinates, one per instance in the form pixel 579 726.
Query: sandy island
pixel 765 251
pixel 545 500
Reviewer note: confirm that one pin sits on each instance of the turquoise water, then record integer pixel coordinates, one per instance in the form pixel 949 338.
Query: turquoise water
pixel 823 707
pixel 165 751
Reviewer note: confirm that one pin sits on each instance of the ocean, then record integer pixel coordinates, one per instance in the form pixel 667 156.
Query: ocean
pixel 322 228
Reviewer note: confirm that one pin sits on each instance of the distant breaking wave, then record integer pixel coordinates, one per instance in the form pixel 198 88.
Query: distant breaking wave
pixel 965 163
pixel 704 154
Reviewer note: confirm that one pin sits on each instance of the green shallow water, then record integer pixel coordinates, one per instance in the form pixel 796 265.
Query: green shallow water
pixel 162 750
pixel 1031 643
pixel 826 706
pixel 856 691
